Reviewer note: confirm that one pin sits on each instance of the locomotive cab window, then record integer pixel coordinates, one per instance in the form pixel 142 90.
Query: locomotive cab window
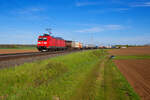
pixel 44 39
pixel 40 39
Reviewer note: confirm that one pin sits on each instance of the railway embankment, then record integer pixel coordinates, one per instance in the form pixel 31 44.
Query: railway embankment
pixel 16 59
pixel 81 75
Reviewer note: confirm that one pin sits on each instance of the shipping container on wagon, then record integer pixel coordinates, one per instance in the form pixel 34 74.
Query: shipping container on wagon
pixel 75 45
pixel 80 45
pixel 90 46
pixel 68 44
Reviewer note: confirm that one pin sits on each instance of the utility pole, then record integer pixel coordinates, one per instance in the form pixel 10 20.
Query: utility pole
pixel 92 39
pixel 49 30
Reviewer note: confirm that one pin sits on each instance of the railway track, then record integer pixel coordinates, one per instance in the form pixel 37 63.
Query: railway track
pixel 4 57
pixel 12 60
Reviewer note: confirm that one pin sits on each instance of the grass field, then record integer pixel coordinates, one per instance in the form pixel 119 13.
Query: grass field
pixel 18 47
pixel 133 57
pixel 25 48
pixel 7 49
pixel 88 75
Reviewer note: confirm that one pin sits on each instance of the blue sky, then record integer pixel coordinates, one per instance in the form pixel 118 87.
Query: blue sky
pixel 106 21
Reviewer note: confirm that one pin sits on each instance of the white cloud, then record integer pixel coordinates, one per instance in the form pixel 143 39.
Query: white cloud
pixel 29 10
pixel 107 10
pixel 143 4
pixel 113 27
pixel 79 4
pixel 94 29
pixel 30 13
pixel 121 9
pixel 102 28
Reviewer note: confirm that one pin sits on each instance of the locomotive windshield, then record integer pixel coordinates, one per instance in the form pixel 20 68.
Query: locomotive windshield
pixel 42 39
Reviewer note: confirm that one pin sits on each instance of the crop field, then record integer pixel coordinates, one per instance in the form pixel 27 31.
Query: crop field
pixel 131 51
pixel 15 46
pixel 8 51
pixel 85 75
pixel 137 73
pixel 135 66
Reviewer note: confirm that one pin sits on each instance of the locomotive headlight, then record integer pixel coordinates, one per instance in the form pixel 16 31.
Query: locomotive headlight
pixel 45 42
pixel 39 42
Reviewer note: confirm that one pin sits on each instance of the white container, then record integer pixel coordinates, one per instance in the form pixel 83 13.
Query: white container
pixel 75 44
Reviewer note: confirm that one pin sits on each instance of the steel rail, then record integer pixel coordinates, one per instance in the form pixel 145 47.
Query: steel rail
pixel 29 54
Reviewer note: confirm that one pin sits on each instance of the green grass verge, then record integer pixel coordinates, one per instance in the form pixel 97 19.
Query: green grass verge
pixel 78 76
pixel 25 48
pixel 45 79
pixel 115 85
pixel 17 46
pixel 133 57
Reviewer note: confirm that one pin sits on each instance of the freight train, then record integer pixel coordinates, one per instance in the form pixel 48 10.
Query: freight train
pixel 47 42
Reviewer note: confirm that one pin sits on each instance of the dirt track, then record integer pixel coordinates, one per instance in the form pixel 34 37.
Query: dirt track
pixel 137 72
pixel 7 51
pixel 131 51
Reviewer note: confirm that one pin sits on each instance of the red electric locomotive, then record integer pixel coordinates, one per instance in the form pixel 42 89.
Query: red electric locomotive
pixel 49 43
